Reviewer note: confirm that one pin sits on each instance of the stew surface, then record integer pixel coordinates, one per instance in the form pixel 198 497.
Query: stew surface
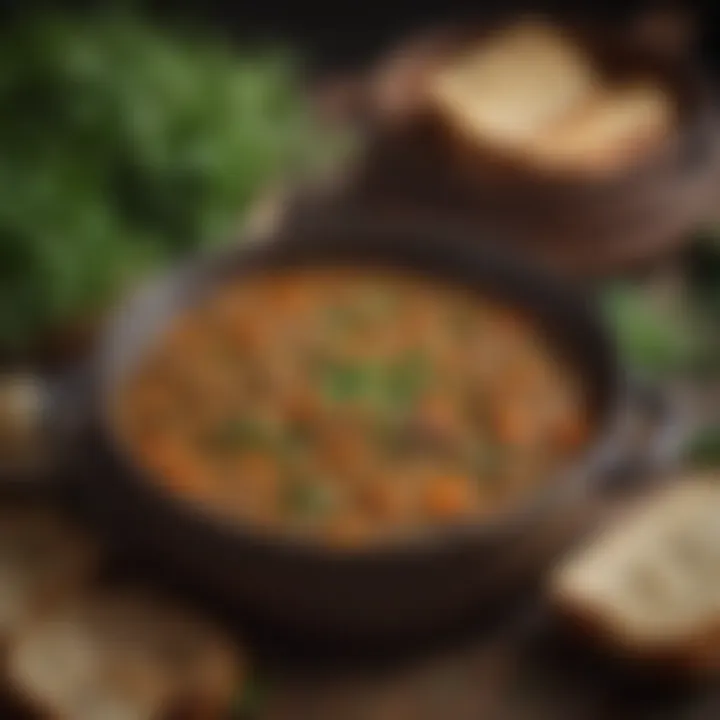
pixel 353 405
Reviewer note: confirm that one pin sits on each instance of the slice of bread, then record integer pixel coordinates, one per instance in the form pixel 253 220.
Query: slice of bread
pixel 60 670
pixel 513 85
pixel 124 656
pixel 617 126
pixel 649 587
pixel 43 560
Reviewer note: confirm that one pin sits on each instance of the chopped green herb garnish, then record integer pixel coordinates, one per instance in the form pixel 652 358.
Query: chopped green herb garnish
pixel 343 383
pixel 306 499
pixel 405 380
pixel 238 434
pixel 394 384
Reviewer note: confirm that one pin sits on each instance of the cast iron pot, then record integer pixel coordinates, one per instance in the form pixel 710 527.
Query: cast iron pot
pixel 417 586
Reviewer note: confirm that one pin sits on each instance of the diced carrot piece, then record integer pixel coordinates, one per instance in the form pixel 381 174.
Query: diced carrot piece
pixel 179 469
pixel 383 499
pixel 349 531
pixel 258 467
pixel 439 415
pixel 289 294
pixel 447 497
pixel 344 449
pixel 512 424
pixel 302 405
pixel 246 333
pixel 572 432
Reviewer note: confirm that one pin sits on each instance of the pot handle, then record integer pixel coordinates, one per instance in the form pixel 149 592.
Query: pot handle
pixel 656 429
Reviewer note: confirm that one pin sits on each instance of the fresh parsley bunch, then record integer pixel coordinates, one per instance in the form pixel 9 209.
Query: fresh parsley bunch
pixel 121 146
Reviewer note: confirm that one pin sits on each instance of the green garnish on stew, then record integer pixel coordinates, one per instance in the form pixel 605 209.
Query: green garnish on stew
pixel 347 382
pixel 404 381
pixel 238 433
pixel 307 499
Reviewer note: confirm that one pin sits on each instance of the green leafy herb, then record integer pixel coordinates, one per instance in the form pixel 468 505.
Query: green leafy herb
pixel 404 380
pixel 650 338
pixel 124 145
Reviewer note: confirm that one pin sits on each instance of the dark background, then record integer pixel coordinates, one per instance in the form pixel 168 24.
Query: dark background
pixel 340 34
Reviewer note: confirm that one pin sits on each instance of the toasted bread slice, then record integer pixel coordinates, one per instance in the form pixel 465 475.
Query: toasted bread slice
pixel 125 656
pixel 649 587
pixel 609 132
pixel 513 85
pixel 43 559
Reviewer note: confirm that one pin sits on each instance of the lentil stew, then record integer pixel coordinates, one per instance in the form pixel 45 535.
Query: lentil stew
pixel 353 405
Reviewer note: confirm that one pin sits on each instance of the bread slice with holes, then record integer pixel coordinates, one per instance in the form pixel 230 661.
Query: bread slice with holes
pixel 44 559
pixel 649 586
pixel 124 656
